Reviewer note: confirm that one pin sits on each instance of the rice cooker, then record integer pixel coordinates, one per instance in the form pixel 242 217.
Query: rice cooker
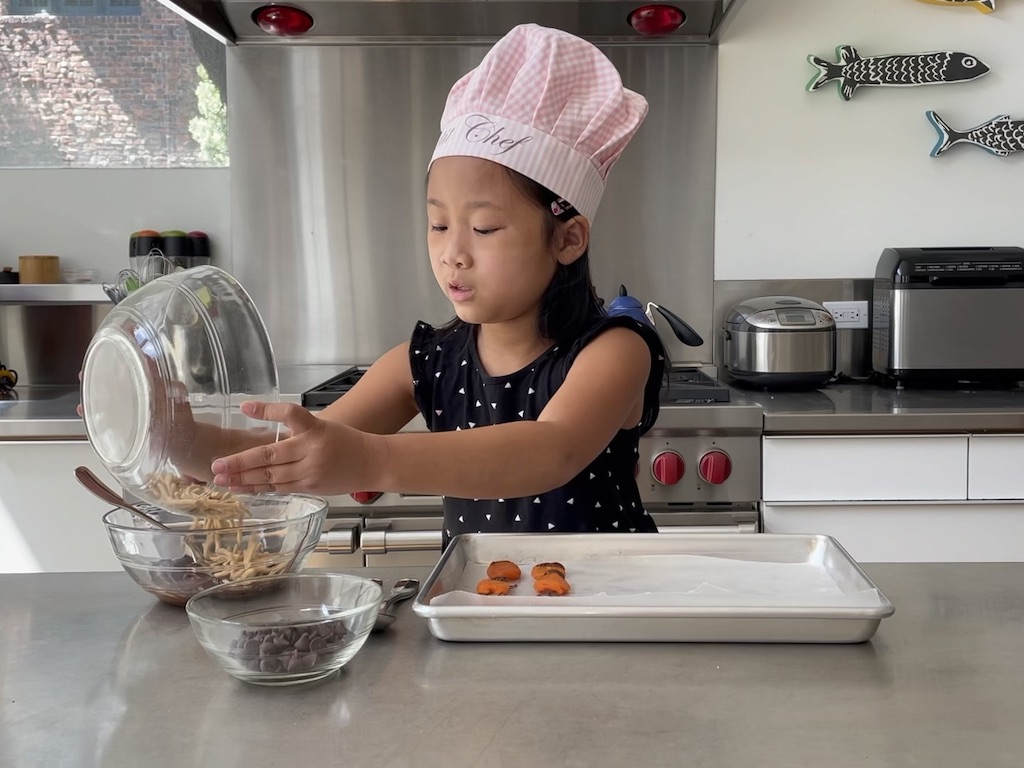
pixel 780 342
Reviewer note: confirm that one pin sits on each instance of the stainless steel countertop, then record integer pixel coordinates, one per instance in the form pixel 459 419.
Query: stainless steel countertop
pixel 863 408
pixel 48 413
pixel 94 672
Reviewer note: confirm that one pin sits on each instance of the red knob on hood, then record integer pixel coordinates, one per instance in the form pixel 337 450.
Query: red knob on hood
pixel 283 20
pixel 653 20
pixel 366 497
pixel 668 468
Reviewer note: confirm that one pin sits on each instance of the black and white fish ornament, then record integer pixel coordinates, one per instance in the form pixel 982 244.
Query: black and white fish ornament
pixel 985 6
pixel 1001 135
pixel 853 70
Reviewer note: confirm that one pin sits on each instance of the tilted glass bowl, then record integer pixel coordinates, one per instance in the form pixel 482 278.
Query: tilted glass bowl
pixel 303 628
pixel 164 378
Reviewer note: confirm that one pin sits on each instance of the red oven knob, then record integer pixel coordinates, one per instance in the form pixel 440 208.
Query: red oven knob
pixel 715 467
pixel 668 467
pixel 366 497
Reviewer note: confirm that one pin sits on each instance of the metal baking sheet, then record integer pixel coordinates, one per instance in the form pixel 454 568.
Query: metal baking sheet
pixel 724 588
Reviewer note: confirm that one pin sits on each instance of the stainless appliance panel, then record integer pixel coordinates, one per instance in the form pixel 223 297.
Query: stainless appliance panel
pixel 329 150
pixel 956 328
pixel 780 351
pixel 45 343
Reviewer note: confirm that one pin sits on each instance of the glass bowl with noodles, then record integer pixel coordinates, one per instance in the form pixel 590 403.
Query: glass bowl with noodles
pixel 163 381
pixel 238 541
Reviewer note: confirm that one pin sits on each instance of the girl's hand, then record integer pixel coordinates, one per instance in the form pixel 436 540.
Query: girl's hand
pixel 321 457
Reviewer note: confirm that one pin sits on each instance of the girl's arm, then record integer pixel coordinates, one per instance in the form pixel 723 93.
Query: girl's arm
pixel 382 401
pixel 602 393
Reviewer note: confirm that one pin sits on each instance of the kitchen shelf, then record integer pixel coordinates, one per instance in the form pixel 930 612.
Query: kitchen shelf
pixel 57 293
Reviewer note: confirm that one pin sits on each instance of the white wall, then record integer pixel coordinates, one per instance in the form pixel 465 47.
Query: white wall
pixel 85 216
pixel 810 186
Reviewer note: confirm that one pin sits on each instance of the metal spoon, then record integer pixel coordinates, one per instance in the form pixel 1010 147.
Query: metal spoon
pixel 403 590
pixel 101 490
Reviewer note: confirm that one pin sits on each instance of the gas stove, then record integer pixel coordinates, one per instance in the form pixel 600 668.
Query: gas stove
pixel 704 448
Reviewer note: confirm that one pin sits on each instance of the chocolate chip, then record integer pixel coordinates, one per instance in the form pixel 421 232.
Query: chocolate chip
pixel 270 665
pixel 303 642
pixel 317 644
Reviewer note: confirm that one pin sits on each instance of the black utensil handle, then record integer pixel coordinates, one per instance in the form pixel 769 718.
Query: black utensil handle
pixel 680 328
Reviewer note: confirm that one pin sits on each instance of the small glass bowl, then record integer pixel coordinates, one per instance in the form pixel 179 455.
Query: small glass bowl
pixel 281 530
pixel 164 378
pixel 303 627
pixel 81 275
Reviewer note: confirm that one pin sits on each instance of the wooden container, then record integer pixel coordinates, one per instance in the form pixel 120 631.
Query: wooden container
pixel 39 269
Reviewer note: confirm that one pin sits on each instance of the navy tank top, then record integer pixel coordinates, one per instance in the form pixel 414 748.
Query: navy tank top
pixel 453 393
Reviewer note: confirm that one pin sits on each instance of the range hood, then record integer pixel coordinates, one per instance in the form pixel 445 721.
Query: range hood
pixel 345 22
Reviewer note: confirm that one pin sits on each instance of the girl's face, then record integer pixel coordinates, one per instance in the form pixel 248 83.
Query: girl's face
pixel 490 246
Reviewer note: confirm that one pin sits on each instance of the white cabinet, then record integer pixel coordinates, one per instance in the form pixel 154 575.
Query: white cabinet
pixel 910 532
pixel 48 522
pixel 865 468
pixel 900 498
pixel 996 467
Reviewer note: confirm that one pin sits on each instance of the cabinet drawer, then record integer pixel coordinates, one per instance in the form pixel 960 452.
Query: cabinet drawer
pixel 865 468
pixel 995 467
pixel 948 532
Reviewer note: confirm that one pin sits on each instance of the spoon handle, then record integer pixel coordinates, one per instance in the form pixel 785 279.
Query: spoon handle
pixel 101 490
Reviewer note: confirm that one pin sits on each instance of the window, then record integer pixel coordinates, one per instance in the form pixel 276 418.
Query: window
pixel 108 83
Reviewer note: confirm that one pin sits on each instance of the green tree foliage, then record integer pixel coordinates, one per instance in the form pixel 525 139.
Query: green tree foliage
pixel 210 127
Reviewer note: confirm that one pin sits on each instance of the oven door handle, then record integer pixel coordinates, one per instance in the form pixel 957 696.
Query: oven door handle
pixel 342 539
pixel 380 542
pixel 688 529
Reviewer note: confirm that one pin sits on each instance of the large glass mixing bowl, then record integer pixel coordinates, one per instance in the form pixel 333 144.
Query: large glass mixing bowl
pixel 164 378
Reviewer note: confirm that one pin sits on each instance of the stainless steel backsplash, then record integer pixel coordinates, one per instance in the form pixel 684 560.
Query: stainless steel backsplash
pixel 46 343
pixel 329 151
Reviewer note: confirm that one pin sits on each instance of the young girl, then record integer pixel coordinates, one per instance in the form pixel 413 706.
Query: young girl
pixel 534 397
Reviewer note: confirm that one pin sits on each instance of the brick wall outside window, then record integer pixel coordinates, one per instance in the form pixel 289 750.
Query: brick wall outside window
pixel 82 85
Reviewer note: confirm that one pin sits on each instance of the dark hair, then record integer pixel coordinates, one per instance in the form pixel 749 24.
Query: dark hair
pixel 570 304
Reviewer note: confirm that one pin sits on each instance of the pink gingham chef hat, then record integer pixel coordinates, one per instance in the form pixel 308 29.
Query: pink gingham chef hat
pixel 548 105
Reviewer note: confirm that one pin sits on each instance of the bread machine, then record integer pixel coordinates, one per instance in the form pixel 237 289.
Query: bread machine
pixel 781 342
pixel 949 315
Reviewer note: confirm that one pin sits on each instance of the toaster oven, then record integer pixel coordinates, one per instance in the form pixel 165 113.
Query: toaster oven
pixel 949 315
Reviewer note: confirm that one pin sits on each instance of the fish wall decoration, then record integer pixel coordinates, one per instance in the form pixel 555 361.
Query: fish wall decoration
pixel 1001 135
pixel 853 70
pixel 985 6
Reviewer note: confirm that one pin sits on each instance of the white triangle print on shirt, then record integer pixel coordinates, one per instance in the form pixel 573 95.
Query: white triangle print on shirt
pixel 487 516
pixel 530 391
pixel 458 429
pixel 477 403
pixel 536 500
pixel 437 374
pixel 472 424
pixel 494 405
pixel 462 390
pixel 597 505
pixel 518 519
pixel 463 363
pixel 570 501
pixel 615 524
pixel 438 412
pixel 460 519
pixel 550 526
pixel 508 385
pixel 521 414
pixel 437 348
pixel 592 475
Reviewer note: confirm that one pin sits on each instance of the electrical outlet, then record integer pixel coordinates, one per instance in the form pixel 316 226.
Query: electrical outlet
pixel 848 314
